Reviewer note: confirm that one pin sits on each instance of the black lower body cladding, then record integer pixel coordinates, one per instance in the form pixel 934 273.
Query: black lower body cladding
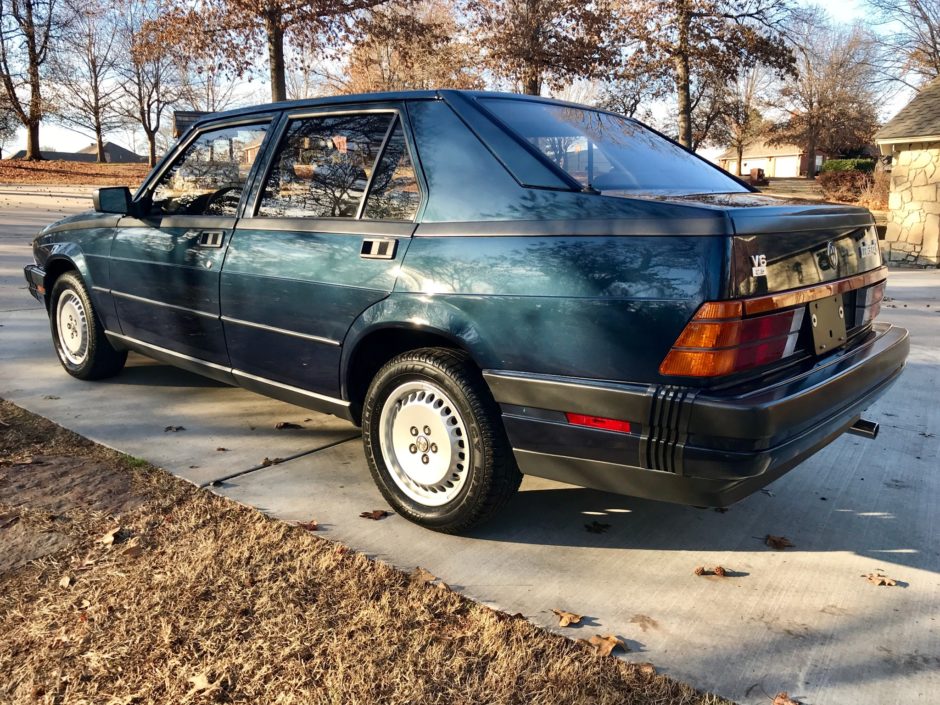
pixel 687 445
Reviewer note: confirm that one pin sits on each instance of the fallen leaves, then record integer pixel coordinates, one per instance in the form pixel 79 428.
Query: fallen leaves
pixel 268 462
pixel 717 570
pixel 878 578
pixel 646 668
pixel 173 429
pixel 421 576
pixel 311 525
pixel 7 520
pixel 220 449
pixel 604 645
pixel 596 527
pixel 287 426
pixel 66 581
pixel 201 684
pixel 566 618
pixel 784 699
pixel 134 549
pixel 110 538
pixel 778 543
pixel 375 514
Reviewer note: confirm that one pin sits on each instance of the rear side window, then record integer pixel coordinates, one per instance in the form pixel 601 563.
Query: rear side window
pixel 323 166
pixel 209 176
pixel 394 194
pixel 607 152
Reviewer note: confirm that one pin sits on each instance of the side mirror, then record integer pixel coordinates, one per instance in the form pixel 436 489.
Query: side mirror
pixel 115 199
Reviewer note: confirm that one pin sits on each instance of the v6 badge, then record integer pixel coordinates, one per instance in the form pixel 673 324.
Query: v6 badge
pixel 759 265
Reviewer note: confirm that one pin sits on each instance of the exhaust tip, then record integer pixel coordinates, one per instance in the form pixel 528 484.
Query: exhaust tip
pixel 865 429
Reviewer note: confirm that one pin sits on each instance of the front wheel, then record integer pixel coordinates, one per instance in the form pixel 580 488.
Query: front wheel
pixel 434 441
pixel 77 334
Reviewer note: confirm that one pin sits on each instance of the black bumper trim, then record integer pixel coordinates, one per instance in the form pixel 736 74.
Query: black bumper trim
pixel 35 280
pixel 726 444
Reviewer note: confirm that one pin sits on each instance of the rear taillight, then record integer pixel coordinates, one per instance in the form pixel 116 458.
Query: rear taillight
pixel 868 303
pixel 719 341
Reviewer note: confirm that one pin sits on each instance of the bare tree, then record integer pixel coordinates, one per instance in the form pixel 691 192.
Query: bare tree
pixel 149 75
pixel 9 122
pixel 911 39
pixel 205 86
pixel 830 105
pixel 409 45
pixel 538 42
pixel 743 120
pixel 701 44
pixel 83 73
pixel 26 36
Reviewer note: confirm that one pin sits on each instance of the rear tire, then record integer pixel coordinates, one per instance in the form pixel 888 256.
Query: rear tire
pixel 435 442
pixel 77 333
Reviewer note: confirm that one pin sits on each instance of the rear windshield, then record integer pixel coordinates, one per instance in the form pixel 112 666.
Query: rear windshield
pixel 610 153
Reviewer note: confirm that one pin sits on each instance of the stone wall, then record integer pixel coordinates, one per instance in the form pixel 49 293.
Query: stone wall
pixel 913 234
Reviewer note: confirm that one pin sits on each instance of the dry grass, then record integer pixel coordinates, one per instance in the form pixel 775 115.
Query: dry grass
pixel 225 605
pixel 71 173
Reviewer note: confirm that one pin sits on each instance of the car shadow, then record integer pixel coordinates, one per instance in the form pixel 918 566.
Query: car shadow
pixel 570 516
pixel 142 372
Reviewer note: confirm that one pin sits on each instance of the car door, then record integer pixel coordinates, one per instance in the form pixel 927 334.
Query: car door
pixel 165 262
pixel 322 241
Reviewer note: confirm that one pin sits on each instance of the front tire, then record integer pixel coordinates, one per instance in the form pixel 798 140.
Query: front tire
pixel 434 441
pixel 77 334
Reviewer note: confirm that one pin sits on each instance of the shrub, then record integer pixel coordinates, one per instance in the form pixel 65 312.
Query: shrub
pixel 845 186
pixel 866 165
pixel 876 195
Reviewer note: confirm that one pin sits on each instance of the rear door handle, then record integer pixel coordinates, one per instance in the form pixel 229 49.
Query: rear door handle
pixel 378 248
pixel 211 238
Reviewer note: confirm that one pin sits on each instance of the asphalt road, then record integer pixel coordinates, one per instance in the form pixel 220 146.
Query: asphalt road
pixel 802 620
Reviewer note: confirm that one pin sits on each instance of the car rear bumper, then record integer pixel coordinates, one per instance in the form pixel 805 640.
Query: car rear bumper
pixel 35 279
pixel 693 446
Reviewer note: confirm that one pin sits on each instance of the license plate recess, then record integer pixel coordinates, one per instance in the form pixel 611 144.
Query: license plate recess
pixel 828 319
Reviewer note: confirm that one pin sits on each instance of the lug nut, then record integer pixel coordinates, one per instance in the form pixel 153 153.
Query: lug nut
pixel 434 447
pixel 413 448
pixel 425 459
pixel 427 430
pixel 414 431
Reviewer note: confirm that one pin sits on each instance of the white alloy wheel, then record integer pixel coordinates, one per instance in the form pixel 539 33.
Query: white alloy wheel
pixel 424 443
pixel 72 327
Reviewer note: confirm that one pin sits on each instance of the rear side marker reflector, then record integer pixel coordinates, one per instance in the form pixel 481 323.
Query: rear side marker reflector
pixel 598 422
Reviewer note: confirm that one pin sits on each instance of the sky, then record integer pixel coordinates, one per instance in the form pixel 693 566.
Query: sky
pixel 64 139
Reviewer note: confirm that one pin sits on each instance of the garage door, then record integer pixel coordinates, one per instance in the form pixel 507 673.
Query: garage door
pixel 755 164
pixel 787 167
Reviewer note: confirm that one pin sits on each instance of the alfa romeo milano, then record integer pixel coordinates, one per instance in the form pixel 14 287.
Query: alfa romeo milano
pixel 490 285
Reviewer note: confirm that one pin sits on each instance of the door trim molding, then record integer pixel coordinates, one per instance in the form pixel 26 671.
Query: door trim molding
pixel 162 304
pixel 282 331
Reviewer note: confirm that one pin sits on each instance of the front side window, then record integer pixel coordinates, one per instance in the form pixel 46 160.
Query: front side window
pixel 209 176
pixel 609 153
pixel 323 166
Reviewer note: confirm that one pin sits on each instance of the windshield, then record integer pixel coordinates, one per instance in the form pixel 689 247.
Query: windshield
pixel 610 153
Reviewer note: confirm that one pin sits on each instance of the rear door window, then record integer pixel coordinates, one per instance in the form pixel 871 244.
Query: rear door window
pixel 323 166
pixel 394 193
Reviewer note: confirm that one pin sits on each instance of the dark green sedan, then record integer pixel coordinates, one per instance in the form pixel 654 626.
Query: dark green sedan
pixel 491 285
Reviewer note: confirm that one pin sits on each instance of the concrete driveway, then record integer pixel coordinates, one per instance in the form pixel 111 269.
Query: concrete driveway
pixel 802 620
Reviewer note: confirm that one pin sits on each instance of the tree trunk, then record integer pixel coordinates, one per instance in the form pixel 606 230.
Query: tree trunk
pixel 811 156
pixel 272 26
pixel 99 143
pixel 741 159
pixel 32 141
pixel 152 149
pixel 683 91
pixel 533 84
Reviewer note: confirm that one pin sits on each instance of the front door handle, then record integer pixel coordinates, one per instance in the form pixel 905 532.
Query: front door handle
pixel 211 238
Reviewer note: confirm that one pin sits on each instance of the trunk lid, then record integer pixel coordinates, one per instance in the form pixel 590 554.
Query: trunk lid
pixel 780 244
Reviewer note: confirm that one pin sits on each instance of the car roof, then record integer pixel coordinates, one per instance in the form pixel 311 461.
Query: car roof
pixel 370 98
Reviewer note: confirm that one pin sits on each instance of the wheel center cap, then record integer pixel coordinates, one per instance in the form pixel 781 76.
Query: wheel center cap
pixel 423 444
